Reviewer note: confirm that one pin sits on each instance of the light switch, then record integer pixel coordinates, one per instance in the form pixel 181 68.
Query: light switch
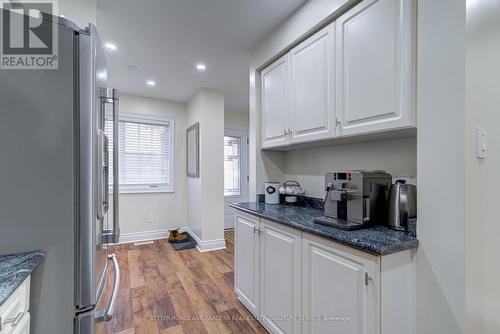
pixel 481 138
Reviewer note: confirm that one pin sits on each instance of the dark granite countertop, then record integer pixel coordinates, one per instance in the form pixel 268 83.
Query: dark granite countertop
pixel 378 240
pixel 14 269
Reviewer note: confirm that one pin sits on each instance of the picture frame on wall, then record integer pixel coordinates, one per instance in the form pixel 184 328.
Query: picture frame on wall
pixel 193 150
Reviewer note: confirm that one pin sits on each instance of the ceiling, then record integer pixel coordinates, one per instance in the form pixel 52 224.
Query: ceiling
pixel 165 39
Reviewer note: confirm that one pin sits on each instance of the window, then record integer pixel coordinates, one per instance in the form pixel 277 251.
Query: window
pixel 146 153
pixel 232 166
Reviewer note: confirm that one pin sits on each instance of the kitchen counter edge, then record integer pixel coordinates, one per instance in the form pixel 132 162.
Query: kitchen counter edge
pixel 14 269
pixel 334 234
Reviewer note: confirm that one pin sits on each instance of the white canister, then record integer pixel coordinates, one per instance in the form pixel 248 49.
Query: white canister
pixel 272 193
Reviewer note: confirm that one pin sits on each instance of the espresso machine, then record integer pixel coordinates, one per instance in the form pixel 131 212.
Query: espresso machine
pixel 355 199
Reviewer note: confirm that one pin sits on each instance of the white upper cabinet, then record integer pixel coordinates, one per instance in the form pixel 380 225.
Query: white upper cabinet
pixel 354 77
pixel 275 103
pixel 312 69
pixel 375 67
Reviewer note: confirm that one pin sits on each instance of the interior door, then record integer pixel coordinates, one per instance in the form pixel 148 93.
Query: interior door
pixel 235 171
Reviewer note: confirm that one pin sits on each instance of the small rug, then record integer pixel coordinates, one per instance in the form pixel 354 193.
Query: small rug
pixel 187 243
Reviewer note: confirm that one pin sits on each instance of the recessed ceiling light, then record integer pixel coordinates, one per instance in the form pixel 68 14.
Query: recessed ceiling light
pixel 201 67
pixel 151 83
pixel 110 46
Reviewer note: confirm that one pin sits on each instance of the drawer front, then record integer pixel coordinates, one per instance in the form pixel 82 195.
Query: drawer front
pixel 17 305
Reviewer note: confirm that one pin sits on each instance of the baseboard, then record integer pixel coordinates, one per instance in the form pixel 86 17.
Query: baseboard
pixel 126 238
pixel 201 245
pixel 206 245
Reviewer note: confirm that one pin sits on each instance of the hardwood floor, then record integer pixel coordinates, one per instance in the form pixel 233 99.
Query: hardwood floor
pixel 164 291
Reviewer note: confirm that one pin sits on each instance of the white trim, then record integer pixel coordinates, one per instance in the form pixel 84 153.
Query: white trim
pixel 202 246
pixel 207 245
pixel 239 128
pixel 145 190
pixel 143 118
pixel 126 238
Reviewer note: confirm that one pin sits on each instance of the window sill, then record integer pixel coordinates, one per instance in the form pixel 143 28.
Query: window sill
pixel 146 191
pixel 232 196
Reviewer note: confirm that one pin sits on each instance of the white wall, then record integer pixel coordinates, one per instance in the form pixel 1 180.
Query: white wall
pixel 169 210
pixel 441 174
pixel 82 12
pixel 397 157
pixel 206 193
pixel 236 119
pixel 482 183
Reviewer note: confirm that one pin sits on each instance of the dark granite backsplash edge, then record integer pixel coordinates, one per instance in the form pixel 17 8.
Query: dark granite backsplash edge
pixel 317 203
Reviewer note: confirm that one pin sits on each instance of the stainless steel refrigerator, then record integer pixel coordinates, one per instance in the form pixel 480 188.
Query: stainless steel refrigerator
pixel 57 192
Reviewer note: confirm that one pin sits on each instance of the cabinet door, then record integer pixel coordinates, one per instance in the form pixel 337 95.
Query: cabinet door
pixel 312 73
pixel 246 281
pixel 24 325
pixel 281 297
pixel 340 289
pixel 275 103
pixel 375 67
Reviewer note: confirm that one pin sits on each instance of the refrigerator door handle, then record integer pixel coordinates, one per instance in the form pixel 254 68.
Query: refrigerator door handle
pixel 107 315
pixel 105 167
pixel 109 95
pixel 101 140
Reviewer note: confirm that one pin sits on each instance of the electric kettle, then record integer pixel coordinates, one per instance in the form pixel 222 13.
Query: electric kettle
pixel 402 204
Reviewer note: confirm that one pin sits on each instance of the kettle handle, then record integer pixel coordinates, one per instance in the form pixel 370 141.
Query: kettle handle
pixel 400 181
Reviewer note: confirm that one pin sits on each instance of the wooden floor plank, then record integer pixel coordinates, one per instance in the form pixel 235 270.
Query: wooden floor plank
pixel 123 318
pixel 164 291
pixel 136 268
pixel 173 330
pixel 235 321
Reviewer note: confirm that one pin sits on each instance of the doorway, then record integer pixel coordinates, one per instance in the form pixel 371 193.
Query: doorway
pixel 235 171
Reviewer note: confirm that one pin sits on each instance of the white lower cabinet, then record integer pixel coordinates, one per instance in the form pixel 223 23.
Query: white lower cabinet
pixel 14 312
pixel 295 282
pixel 24 325
pixel 280 277
pixel 340 289
pixel 246 261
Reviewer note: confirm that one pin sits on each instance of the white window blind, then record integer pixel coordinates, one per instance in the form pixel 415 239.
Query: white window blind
pixel 232 166
pixel 145 154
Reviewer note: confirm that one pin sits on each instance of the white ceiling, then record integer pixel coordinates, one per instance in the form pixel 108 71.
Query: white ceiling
pixel 166 38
